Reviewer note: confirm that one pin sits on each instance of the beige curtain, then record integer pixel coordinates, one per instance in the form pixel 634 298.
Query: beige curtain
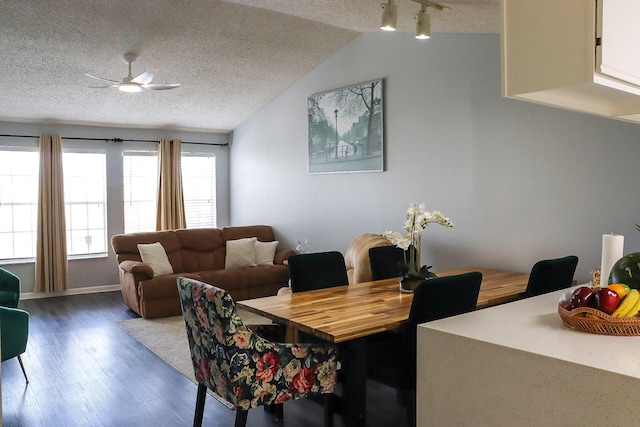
pixel 170 214
pixel 51 246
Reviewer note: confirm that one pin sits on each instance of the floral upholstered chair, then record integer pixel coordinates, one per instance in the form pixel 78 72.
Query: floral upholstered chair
pixel 242 368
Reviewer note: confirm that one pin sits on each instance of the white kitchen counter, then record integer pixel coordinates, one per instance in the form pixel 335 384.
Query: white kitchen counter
pixel 517 364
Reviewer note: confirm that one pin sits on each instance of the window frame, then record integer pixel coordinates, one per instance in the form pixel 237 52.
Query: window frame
pixel 105 209
pixel 34 231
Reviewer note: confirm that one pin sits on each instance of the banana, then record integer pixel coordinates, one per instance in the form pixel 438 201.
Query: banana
pixel 634 310
pixel 627 304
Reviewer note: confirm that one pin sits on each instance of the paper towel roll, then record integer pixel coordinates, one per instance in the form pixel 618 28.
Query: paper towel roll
pixel 612 251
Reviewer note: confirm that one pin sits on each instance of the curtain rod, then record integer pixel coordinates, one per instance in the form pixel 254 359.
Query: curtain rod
pixel 118 140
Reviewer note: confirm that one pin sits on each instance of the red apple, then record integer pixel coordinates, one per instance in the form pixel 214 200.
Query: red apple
pixel 606 300
pixel 582 297
pixel 567 306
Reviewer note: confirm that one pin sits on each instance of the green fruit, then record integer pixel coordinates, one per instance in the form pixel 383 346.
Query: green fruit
pixel 627 270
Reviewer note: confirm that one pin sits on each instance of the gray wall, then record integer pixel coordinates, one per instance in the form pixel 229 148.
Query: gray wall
pixel 521 182
pixel 86 273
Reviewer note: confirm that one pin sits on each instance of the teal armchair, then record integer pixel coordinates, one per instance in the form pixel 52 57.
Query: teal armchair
pixel 9 289
pixel 14 331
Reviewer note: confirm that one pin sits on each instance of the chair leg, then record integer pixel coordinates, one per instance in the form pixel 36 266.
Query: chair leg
pixel 241 417
pixel 23 371
pixel 275 409
pixel 328 409
pixel 200 401
pixel 410 400
pixel 279 411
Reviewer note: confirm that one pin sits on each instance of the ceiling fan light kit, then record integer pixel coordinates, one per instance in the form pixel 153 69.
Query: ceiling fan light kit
pixel 132 85
pixel 423 24
pixel 129 87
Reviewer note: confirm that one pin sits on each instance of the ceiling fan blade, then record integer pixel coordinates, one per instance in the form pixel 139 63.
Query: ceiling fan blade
pixel 100 78
pixel 143 79
pixel 160 86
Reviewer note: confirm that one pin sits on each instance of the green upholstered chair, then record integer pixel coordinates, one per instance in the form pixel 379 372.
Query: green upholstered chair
pixel 14 331
pixel 9 289
pixel 551 275
pixel 242 368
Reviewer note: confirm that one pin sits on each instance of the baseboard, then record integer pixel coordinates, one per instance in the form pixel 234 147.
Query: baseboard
pixel 73 291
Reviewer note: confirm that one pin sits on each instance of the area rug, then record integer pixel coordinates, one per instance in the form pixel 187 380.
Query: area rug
pixel 167 338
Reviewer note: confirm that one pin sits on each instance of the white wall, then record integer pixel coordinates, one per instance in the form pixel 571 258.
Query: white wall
pixel 104 271
pixel 521 182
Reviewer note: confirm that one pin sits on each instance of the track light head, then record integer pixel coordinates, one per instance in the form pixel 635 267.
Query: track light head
pixel 389 16
pixel 423 24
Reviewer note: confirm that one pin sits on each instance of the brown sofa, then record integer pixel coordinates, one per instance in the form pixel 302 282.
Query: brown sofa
pixel 195 253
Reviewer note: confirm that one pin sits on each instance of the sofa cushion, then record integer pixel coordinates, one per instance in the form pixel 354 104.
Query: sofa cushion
pixel 155 255
pixel 201 248
pixel 241 253
pixel 264 233
pixel 266 274
pixel 125 246
pixel 265 252
pixel 233 281
pixel 162 286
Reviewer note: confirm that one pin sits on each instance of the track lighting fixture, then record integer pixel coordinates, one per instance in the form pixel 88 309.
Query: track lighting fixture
pixel 423 25
pixel 389 16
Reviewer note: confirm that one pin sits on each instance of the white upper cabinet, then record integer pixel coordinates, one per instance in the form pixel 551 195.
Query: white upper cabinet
pixel 575 54
pixel 620 39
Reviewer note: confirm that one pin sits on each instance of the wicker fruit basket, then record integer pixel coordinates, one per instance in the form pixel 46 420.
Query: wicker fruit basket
pixel 588 319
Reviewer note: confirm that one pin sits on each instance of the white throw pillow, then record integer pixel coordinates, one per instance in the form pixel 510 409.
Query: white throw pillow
pixel 155 255
pixel 265 252
pixel 240 253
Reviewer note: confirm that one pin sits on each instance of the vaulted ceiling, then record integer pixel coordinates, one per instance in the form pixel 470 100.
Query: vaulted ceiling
pixel 231 57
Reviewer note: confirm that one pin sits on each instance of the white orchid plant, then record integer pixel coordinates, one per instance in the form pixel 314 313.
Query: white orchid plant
pixel 418 218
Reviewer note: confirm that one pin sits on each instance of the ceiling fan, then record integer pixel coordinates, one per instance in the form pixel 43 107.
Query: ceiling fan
pixel 134 84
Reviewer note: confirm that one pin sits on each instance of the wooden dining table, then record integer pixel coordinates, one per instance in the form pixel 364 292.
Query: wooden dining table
pixel 348 314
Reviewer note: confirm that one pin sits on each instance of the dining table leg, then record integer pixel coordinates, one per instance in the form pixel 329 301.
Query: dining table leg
pixel 355 387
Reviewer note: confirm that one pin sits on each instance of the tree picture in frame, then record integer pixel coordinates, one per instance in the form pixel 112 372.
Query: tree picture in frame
pixel 345 129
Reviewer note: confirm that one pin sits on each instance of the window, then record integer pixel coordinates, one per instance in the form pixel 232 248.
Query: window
pixel 85 206
pixel 18 203
pixel 140 170
pixel 85 202
pixel 199 189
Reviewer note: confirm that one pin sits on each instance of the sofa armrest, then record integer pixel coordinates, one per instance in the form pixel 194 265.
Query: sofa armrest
pixel 282 256
pixel 137 267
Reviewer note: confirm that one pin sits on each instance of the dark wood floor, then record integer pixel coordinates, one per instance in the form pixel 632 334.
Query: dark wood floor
pixel 86 371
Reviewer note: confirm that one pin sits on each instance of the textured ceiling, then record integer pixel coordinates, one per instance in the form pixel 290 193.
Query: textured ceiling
pixel 231 57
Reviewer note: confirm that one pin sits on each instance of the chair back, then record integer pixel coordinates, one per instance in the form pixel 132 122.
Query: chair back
pixel 317 271
pixel 9 289
pixel 356 258
pixel 240 367
pixel 551 275
pixel 14 332
pixel 386 262
pixel 443 297
pixel 436 299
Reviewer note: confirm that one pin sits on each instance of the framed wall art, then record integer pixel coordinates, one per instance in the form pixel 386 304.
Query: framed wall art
pixel 346 129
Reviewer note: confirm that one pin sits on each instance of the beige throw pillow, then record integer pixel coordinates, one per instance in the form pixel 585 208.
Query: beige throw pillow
pixel 266 252
pixel 155 255
pixel 240 253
